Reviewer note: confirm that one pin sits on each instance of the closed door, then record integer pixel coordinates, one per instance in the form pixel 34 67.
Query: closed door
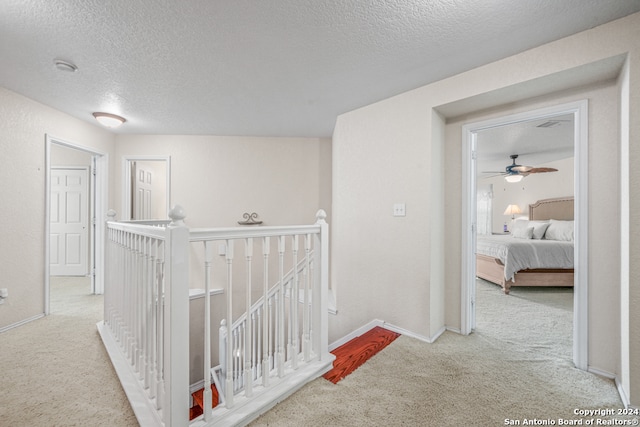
pixel 69 223
pixel 143 192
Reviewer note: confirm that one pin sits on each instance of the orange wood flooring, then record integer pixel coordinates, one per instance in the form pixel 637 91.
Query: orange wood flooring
pixel 354 353
pixel 349 357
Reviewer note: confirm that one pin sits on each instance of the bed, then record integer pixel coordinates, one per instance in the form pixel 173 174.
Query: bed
pixel 538 251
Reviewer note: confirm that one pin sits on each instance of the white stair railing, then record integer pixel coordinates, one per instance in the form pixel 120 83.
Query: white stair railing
pixel 273 335
pixel 278 335
pixel 146 315
pixel 248 335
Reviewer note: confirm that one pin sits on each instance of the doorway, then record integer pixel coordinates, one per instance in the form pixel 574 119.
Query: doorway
pixel 146 192
pixel 83 249
pixel 69 219
pixel 470 221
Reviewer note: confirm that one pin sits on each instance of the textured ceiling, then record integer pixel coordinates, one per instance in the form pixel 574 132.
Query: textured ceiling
pixel 536 142
pixel 267 68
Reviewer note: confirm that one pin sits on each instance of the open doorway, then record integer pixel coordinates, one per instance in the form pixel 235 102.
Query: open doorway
pixel 472 134
pixel 74 221
pixel 533 309
pixel 146 192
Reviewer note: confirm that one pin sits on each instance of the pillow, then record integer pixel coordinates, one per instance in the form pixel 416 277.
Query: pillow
pixel 522 233
pixel 539 228
pixel 559 230
pixel 519 225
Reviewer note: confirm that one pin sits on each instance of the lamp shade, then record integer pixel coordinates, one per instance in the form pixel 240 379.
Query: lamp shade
pixel 512 210
pixel 514 178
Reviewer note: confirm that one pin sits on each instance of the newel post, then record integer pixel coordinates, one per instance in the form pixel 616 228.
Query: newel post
pixel 321 287
pixel 176 321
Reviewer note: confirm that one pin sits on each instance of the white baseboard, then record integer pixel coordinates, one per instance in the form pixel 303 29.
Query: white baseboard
pixel 402 331
pixel 601 373
pixel 142 407
pixel 361 330
pixel 22 322
pixel 623 395
pixel 455 330
pixel 377 322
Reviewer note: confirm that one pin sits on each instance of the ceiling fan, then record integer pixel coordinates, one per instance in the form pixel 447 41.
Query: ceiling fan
pixel 515 172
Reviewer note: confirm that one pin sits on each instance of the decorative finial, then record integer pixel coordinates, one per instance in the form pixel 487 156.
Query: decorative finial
pixel 111 214
pixel 177 215
pixel 321 215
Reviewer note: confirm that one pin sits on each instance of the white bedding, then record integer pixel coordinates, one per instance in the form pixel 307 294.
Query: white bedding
pixel 520 254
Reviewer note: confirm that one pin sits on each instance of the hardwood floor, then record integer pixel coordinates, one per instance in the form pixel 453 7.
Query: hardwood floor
pixel 354 353
pixel 349 357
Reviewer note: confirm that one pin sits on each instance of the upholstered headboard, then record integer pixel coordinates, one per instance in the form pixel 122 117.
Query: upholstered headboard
pixel 560 208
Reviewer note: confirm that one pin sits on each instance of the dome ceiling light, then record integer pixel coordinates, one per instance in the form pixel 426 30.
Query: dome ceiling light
pixel 109 120
pixel 65 66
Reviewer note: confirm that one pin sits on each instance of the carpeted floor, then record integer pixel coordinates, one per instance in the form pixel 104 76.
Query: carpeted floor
pixel 506 370
pixel 59 373
pixel 55 370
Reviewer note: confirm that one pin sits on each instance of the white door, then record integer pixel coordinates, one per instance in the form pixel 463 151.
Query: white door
pixel 69 222
pixel 142 192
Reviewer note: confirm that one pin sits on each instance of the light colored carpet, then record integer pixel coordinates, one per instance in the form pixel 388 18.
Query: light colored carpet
pixel 505 370
pixel 60 375
pixel 55 370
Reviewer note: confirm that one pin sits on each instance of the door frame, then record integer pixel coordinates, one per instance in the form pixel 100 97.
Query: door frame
pixel 579 109
pixel 126 182
pixel 99 203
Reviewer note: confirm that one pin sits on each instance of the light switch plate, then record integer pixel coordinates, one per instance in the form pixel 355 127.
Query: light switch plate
pixel 399 209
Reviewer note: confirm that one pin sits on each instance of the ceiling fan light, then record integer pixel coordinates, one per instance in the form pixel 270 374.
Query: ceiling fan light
pixel 109 120
pixel 513 178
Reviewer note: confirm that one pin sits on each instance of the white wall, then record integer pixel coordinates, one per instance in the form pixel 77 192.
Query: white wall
pixel 382 154
pixel 216 180
pixel 532 188
pixel 22 172
pixel 604 208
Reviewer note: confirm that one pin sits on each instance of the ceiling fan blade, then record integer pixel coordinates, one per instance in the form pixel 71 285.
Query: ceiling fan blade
pixel 541 170
pixel 520 168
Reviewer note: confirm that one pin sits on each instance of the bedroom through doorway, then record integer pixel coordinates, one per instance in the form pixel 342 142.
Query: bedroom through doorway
pixel 514 162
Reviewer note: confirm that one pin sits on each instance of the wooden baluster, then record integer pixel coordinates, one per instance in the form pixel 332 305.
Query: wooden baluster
pixel 153 275
pixel 306 343
pixel 160 327
pixel 265 315
pixel 287 320
pixel 255 334
pixel 146 342
pixel 229 258
pixel 129 292
pixel 208 258
pixel 259 335
pixel 139 306
pixel 293 312
pixel 223 343
pixel 280 309
pixel 132 302
pixel 248 359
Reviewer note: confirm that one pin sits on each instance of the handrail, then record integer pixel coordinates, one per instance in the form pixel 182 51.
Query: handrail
pixel 147 314
pixel 224 233
pixel 300 267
